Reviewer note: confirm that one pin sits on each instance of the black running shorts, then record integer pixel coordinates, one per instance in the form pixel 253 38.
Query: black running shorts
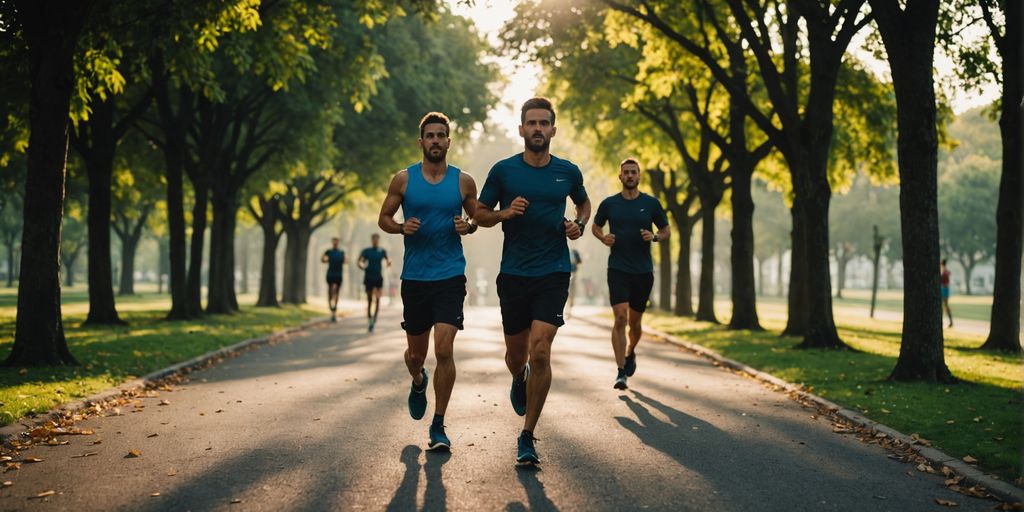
pixel 373 283
pixel 632 288
pixel 525 299
pixel 334 280
pixel 432 302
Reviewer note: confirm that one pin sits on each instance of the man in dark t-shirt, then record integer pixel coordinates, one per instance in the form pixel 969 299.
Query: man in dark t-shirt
pixel 335 259
pixel 630 215
pixel 371 261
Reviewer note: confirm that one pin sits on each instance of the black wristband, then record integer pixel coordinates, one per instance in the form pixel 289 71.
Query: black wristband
pixel 655 238
pixel 581 224
pixel 472 228
pixel 401 228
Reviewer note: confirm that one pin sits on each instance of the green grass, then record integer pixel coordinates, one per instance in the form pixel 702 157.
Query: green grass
pixel 112 355
pixel 966 307
pixel 981 416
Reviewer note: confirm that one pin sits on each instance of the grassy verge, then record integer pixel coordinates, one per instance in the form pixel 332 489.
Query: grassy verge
pixel 981 416
pixel 112 355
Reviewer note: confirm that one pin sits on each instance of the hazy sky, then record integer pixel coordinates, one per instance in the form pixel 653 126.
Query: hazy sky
pixel 524 78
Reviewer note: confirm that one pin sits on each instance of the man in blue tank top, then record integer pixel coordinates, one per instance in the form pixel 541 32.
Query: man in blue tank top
pixel 334 258
pixel 531 189
pixel 432 195
pixel 630 214
pixel 371 261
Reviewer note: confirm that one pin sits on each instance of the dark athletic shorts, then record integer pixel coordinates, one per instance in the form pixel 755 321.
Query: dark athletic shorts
pixel 372 283
pixel 432 302
pixel 334 280
pixel 525 299
pixel 632 288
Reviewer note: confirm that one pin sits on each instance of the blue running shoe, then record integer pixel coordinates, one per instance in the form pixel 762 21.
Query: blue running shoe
pixel 631 364
pixel 518 392
pixel 418 398
pixel 438 440
pixel 527 452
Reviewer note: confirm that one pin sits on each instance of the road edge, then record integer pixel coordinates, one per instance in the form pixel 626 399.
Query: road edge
pixel 973 476
pixel 26 423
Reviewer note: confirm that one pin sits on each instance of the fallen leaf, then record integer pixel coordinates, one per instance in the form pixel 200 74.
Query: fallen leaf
pixel 86 454
pixel 133 454
pixel 978 419
pixel 43 494
pixel 154 494
pixel 970 460
pixel 946 471
pixel 164 402
pixel 235 501
pixel 152 435
pixel 33 459
pixel 8 483
pixel 946 503
pixel 219 410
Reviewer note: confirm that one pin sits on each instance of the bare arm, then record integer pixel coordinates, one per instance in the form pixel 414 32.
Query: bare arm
pixel 598 232
pixel 396 192
pixel 487 217
pixel 469 203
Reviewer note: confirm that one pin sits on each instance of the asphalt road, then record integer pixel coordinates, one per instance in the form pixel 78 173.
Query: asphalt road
pixel 319 422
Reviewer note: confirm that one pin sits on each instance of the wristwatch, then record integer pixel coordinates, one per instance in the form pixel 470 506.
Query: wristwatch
pixel 581 224
pixel 655 238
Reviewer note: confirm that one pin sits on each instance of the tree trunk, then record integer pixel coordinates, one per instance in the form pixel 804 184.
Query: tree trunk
pixel 779 285
pixel 174 154
pixel 909 39
pixel 706 298
pixel 222 297
pixel 99 163
pixel 968 267
pixel 268 268
pixel 194 285
pixel 744 295
pixel 760 277
pixel 128 247
pixel 841 261
pixel 10 263
pixel 51 30
pixel 1004 333
pixel 796 322
pixel 684 279
pixel 69 266
pixel 295 255
pixel 821 327
pixel 163 264
pixel 244 242
pixel 665 265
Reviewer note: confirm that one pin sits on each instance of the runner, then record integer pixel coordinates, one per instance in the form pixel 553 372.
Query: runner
pixel 432 195
pixel 531 189
pixel 630 215
pixel 373 278
pixel 334 258
pixel 944 290
pixel 574 266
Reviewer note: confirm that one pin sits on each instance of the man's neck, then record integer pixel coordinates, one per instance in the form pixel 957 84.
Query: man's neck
pixel 630 193
pixel 537 159
pixel 435 168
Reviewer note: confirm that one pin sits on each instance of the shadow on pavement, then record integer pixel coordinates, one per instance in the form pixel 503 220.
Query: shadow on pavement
pixel 535 494
pixel 405 495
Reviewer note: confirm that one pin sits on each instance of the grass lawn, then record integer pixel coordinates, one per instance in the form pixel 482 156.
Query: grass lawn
pixel 981 416
pixel 112 355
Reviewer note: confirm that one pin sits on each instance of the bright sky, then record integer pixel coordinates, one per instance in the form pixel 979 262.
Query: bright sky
pixel 524 78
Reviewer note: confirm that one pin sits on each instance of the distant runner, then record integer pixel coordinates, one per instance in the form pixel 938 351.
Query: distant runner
pixel 630 215
pixel 373 278
pixel 432 195
pixel 335 259
pixel 944 290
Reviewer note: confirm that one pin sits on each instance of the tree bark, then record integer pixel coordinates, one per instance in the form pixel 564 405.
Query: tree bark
pixel 222 298
pixel 706 292
pixel 51 31
pixel 244 271
pixel 295 256
pixel 744 295
pixel 1004 331
pixel 842 259
pixel 665 265
pixel 163 264
pixel 194 284
pixel 909 38
pixel 10 263
pixel 796 299
pixel 779 285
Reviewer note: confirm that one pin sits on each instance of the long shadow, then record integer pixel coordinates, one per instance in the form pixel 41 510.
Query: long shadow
pixel 536 496
pixel 405 496
pixel 436 495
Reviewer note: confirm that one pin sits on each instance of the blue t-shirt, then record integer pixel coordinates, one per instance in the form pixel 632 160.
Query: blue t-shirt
pixel 627 217
pixel 373 257
pixel 535 243
pixel 335 259
pixel 434 252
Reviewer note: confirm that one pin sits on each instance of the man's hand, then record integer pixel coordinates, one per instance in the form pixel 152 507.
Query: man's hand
pixel 608 240
pixel 517 208
pixel 461 225
pixel 410 226
pixel 572 230
pixel 646 235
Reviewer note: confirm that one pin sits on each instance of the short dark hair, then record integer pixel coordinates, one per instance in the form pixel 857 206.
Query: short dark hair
pixel 435 117
pixel 538 102
pixel 629 160
pixel 943 261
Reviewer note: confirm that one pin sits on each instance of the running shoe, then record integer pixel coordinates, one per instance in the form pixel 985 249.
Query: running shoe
pixel 438 440
pixel 518 392
pixel 620 382
pixel 527 452
pixel 372 322
pixel 418 397
pixel 631 364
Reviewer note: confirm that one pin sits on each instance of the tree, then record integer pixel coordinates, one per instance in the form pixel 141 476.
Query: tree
pixel 680 198
pixel 967 215
pixel 50 32
pixel 266 211
pixel 908 34
pixel 74 238
pixel 135 196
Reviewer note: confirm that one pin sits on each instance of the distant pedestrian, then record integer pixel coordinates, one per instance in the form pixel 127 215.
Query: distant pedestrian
pixel 630 215
pixel 432 195
pixel 575 260
pixel 944 289
pixel 371 261
pixel 335 259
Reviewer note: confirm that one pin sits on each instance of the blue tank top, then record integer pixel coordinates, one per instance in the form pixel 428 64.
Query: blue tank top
pixel 434 252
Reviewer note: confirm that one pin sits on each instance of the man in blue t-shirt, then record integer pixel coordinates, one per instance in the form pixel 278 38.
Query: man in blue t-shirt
pixel 531 189
pixel 370 260
pixel 630 214
pixel 432 195
pixel 335 259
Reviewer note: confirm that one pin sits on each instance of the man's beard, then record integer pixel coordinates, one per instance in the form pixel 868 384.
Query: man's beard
pixel 630 185
pixel 435 159
pixel 537 148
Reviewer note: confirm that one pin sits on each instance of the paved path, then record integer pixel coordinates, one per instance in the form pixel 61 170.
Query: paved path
pixel 319 422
